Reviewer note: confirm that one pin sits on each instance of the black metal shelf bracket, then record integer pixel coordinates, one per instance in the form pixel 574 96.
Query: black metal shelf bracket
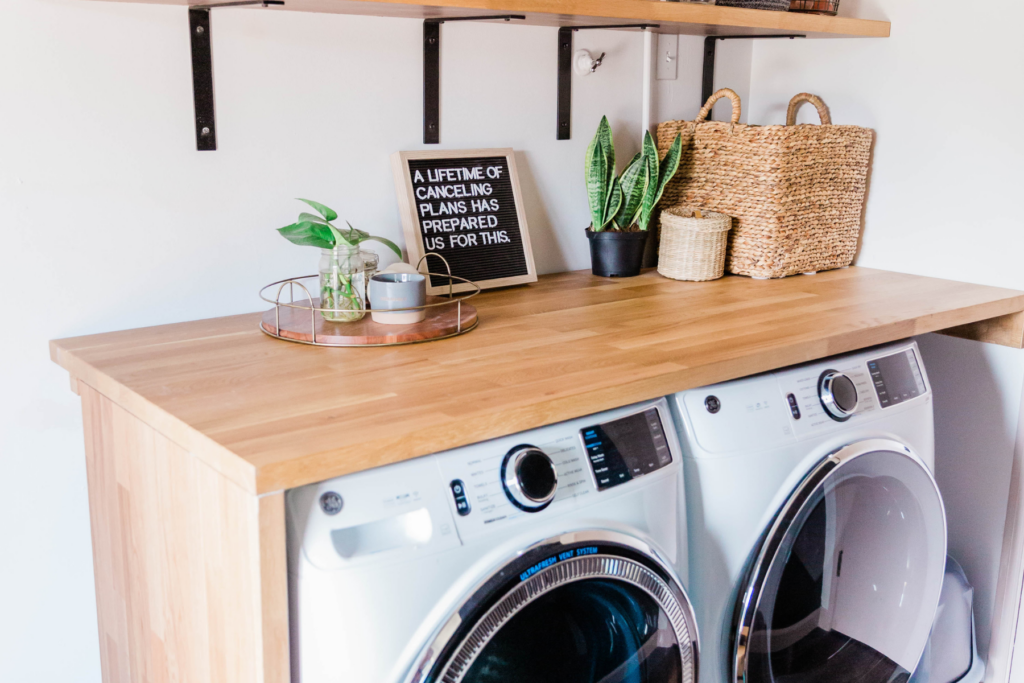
pixel 432 71
pixel 708 86
pixel 563 129
pixel 202 69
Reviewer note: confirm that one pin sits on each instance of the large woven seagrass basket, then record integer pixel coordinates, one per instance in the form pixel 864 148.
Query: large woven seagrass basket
pixel 796 192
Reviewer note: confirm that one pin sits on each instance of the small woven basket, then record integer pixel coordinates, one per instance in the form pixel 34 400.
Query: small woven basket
pixel 693 248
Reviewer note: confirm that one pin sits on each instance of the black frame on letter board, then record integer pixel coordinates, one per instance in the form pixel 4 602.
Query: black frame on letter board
pixel 411 224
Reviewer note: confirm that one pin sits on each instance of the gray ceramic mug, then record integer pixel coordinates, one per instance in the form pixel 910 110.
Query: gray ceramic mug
pixel 390 291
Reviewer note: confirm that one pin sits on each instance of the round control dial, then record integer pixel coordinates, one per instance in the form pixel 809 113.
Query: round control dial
pixel 529 478
pixel 838 395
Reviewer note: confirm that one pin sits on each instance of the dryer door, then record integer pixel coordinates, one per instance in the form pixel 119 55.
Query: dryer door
pixel 588 607
pixel 847 580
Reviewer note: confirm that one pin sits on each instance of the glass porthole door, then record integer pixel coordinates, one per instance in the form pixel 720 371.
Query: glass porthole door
pixel 600 609
pixel 846 582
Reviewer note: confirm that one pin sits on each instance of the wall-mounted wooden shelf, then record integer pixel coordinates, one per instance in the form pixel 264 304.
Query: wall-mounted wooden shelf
pixel 673 17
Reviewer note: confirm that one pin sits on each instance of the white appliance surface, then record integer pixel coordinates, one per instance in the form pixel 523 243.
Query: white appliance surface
pixel 373 583
pixel 746 456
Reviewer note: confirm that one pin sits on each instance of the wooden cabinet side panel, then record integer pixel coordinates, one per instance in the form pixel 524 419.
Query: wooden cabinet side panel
pixel 274 584
pixel 177 559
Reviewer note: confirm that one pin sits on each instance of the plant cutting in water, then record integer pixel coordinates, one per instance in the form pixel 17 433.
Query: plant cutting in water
pixel 626 203
pixel 342 289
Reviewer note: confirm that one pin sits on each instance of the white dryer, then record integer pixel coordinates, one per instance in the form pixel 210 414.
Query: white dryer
pixel 548 556
pixel 817 532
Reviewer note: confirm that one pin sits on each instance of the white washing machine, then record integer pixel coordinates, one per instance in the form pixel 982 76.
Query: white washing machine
pixel 817 532
pixel 548 556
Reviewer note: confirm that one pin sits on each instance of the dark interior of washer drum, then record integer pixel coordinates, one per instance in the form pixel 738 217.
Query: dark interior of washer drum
pixel 594 631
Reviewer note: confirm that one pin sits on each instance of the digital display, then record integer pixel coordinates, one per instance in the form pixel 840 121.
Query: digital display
pixel 897 378
pixel 626 448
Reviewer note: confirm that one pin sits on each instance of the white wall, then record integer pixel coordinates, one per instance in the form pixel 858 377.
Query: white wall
pixel 110 219
pixel 942 94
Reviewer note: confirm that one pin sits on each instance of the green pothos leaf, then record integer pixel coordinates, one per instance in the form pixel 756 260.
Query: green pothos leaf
pixel 327 212
pixel 308 234
pixel 387 243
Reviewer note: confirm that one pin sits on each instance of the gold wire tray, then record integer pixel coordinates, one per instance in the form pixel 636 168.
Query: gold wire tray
pixel 302 322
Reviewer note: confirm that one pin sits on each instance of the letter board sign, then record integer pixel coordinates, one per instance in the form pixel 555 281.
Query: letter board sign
pixel 467 206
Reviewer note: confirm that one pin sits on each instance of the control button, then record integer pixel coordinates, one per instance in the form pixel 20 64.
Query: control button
pixel 331 503
pixel 529 478
pixel 712 404
pixel 838 395
pixel 794 407
pixel 459 494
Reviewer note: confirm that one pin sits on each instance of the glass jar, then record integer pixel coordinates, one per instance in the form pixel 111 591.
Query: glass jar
pixel 342 284
pixel 370 262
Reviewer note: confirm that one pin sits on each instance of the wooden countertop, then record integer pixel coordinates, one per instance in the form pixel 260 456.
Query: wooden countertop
pixel 272 415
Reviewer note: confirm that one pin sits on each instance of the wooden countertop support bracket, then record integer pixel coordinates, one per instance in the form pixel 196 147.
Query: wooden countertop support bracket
pixel 1006 330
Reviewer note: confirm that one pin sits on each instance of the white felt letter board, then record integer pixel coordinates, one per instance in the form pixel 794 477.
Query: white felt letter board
pixel 467 206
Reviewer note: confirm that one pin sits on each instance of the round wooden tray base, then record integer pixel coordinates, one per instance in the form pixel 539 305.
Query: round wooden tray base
pixel 441 322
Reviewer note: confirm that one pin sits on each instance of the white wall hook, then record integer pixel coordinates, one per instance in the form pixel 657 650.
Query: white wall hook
pixel 584 64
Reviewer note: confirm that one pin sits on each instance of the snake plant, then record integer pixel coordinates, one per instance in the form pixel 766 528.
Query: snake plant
pixel 620 202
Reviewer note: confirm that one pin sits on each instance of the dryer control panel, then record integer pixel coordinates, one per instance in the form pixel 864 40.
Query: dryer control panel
pixel 771 410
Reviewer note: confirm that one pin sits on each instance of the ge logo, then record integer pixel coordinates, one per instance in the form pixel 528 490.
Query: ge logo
pixel 331 503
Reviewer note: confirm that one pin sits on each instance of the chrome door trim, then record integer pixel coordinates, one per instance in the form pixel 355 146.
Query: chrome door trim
pixel 749 598
pixel 618 568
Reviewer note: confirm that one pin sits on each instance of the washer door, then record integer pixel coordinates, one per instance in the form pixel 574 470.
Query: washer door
pixel 847 580
pixel 589 607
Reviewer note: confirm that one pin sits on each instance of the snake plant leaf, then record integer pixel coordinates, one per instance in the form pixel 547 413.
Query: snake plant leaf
pixel 634 185
pixel 597 183
pixel 650 152
pixel 668 167
pixel 327 212
pixel 614 203
pixel 604 131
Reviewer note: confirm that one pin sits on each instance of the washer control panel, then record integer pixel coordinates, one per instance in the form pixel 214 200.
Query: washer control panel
pixel 626 448
pixel 558 467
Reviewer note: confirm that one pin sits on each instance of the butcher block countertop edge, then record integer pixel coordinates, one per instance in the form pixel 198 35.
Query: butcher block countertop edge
pixel 272 415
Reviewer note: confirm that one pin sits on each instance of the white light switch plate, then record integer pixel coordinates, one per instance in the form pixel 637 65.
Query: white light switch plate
pixel 667 56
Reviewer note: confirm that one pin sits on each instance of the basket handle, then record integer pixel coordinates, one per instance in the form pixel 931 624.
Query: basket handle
pixel 724 92
pixel 819 104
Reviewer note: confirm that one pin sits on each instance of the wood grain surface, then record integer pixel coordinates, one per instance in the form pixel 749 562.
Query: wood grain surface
pixel 271 414
pixel 440 322
pixel 672 17
pixel 191 579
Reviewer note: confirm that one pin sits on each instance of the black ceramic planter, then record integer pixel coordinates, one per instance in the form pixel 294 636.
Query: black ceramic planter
pixel 616 254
